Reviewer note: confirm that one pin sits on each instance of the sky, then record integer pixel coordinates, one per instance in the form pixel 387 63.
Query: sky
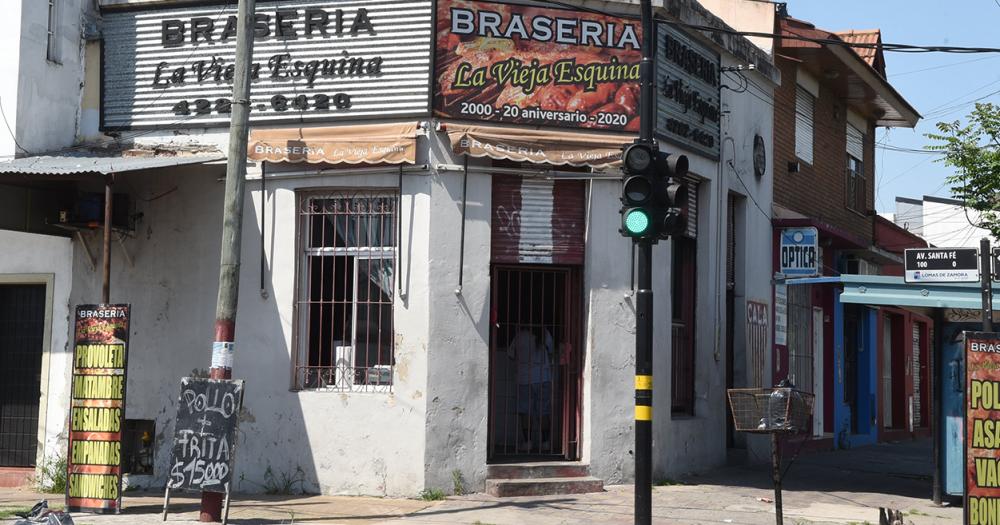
pixel 941 86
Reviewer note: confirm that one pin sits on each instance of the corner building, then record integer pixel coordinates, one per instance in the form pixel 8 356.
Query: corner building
pixel 433 283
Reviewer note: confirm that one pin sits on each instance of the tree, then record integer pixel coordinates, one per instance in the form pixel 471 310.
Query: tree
pixel 974 149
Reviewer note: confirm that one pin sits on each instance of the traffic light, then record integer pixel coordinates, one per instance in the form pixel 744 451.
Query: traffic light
pixel 653 192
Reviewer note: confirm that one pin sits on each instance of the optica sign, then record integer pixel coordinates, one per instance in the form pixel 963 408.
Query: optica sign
pixel 799 252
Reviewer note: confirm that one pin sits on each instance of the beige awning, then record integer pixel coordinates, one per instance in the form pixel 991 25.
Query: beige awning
pixel 370 144
pixel 539 146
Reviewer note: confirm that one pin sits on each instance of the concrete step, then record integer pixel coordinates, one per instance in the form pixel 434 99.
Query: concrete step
pixel 13 477
pixel 505 488
pixel 536 470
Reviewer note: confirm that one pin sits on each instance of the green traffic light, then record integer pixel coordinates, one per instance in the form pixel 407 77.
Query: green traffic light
pixel 637 222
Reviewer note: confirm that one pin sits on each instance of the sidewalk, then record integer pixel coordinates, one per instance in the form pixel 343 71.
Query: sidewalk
pixel 843 487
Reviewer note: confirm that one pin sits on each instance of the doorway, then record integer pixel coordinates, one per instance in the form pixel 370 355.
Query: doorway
pixel 22 334
pixel 534 364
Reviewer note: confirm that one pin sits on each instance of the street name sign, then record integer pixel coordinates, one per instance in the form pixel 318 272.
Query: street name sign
pixel 941 265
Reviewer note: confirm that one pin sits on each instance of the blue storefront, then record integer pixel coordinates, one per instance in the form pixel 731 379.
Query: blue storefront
pixel 859 302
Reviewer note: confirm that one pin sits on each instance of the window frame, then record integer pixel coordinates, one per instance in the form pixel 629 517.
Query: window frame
pixel 856 185
pixel 302 302
pixel 800 121
pixel 51 36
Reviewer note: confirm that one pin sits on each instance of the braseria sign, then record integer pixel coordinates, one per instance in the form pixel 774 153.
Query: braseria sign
pixel 97 408
pixel 327 61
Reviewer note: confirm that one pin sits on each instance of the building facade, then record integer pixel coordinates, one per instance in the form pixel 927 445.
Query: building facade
pixel 864 365
pixel 433 281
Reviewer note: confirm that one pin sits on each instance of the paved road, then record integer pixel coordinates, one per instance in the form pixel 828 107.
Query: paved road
pixel 843 487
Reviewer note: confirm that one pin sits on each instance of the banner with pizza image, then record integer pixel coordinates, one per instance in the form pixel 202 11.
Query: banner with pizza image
pixel 538 66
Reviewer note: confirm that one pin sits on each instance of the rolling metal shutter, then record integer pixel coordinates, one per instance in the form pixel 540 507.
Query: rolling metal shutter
pixel 855 143
pixel 540 221
pixel 804 103
pixel 692 211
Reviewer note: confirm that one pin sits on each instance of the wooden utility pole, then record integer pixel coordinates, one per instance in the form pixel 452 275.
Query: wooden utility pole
pixel 232 223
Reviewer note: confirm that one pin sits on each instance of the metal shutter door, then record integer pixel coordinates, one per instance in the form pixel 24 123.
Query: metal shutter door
pixel 692 208
pixel 539 221
pixel 803 124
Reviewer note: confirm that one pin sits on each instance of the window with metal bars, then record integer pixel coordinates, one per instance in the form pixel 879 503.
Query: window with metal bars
pixel 345 296
pixel 52 43
pixel 682 334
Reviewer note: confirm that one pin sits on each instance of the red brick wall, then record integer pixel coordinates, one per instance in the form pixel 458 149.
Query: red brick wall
pixel 818 190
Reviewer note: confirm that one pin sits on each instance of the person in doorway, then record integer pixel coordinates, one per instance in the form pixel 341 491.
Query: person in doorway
pixel 532 351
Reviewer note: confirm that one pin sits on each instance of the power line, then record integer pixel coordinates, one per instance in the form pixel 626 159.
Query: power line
pixel 884 46
pixel 942 66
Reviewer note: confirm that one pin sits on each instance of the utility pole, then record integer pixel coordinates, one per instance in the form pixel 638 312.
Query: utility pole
pixel 987 279
pixel 644 298
pixel 232 223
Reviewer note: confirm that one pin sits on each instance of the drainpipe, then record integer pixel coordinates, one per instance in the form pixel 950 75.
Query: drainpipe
pixel 461 250
pixel 937 398
pixel 106 285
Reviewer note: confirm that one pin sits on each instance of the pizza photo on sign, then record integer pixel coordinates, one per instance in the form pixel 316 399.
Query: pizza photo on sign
pixel 539 66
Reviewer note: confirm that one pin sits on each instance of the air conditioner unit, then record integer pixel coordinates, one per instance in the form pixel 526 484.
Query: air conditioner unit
pixel 856 266
pixel 88 209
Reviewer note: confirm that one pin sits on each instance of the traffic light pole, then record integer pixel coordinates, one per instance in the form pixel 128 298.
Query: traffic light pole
pixel 644 300
pixel 987 283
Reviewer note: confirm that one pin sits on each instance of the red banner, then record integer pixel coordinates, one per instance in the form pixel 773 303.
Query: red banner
pixel 982 439
pixel 97 409
pixel 539 66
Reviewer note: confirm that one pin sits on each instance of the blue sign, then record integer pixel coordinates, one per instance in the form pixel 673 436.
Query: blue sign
pixel 799 252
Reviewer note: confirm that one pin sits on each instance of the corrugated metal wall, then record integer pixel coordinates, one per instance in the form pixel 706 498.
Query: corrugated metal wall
pixel 539 221
pixel 134 48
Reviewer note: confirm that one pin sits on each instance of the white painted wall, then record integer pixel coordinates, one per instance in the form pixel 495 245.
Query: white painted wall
pixel 48 93
pixel 33 258
pixel 361 443
pixel 945 224
pixel 746 15
pixel 10 37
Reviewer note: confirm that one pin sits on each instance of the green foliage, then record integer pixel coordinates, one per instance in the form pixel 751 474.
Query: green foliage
pixel 284 483
pixel 458 482
pixel 51 477
pixel 667 482
pixel 973 149
pixel 13 512
pixel 432 494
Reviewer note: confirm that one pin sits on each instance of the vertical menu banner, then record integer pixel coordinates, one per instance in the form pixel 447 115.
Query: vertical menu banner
pixel 97 409
pixel 982 428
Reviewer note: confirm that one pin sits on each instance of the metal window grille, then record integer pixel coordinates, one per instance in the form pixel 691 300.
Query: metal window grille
pixel 800 342
pixel 682 339
pixel 51 45
pixel 345 302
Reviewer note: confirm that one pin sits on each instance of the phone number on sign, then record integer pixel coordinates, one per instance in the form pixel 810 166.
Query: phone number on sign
pixel 280 103
pixel 477 109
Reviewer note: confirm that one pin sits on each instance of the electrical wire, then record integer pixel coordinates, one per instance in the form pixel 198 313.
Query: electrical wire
pixel 884 46
pixel 12 135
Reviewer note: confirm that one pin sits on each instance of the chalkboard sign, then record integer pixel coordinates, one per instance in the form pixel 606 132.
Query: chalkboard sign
pixel 205 434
